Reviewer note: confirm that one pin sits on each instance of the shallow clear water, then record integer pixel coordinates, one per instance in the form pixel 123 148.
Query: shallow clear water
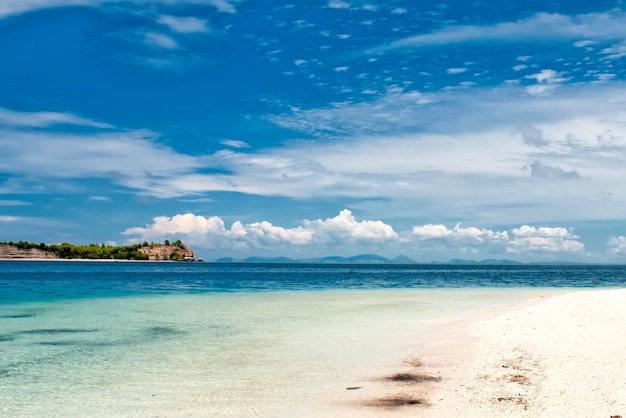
pixel 163 339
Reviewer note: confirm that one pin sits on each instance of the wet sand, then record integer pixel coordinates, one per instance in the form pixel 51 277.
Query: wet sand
pixel 562 356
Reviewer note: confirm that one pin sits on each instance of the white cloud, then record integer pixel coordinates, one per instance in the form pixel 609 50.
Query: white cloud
pixel 212 233
pixel 471 234
pixel 615 52
pixel 16 7
pixel 456 70
pixel 391 109
pixel 344 227
pixel 234 143
pixel 133 159
pixel 545 239
pixel 541 26
pixel 541 89
pixel 160 40
pixel 399 11
pixel 45 119
pixel 520 67
pixel 617 245
pixel 184 24
pixel 395 149
pixel 338 4
pixel 547 77
pixel 299 62
pixel 344 231
pixel 14 203
pixel 583 44
pixel 7 219
pixel 341 69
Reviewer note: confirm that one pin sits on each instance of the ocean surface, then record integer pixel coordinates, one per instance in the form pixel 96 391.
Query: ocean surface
pixel 100 339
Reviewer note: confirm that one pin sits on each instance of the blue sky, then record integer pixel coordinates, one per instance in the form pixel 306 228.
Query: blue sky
pixel 436 130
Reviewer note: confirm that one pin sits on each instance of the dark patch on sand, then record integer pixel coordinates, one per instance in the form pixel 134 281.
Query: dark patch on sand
pixel 354 387
pixel 397 401
pixel 518 378
pixel 6 337
pixel 413 378
pixel 517 400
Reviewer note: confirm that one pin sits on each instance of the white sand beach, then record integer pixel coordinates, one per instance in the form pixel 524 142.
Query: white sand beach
pixel 563 356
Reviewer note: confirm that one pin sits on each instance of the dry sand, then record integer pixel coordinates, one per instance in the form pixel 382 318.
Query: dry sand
pixel 564 356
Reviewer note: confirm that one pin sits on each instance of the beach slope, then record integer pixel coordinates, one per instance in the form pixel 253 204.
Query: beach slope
pixel 565 356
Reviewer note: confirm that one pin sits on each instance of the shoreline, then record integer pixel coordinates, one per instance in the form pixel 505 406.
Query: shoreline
pixel 559 355
pixel 95 260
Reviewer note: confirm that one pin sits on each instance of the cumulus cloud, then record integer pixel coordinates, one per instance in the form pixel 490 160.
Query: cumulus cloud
pixel 544 239
pixel 344 227
pixel 212 233
pixel 617 245
pixel 345 231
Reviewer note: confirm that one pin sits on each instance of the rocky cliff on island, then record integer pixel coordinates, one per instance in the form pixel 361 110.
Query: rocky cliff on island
pixel 12 252
pixel 23 250
pixel 167 252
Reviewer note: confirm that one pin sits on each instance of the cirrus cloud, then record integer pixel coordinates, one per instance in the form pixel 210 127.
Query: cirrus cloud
pixel 16 7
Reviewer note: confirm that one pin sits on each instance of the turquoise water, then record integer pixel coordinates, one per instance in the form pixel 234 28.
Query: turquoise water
pixel 159 339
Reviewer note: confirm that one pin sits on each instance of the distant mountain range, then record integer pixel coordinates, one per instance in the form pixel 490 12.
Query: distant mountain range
pixel 362 258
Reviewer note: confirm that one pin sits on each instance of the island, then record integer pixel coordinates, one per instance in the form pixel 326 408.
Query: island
pixel 23 250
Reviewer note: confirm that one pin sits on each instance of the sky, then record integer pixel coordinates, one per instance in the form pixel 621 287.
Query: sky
pixel 432 129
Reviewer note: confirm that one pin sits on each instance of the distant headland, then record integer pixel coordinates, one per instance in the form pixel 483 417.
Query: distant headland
pixel 22 250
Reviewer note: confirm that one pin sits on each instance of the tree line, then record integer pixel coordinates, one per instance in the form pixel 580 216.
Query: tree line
pixel 93 251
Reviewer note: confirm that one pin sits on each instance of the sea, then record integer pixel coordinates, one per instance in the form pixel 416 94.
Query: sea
pixel 163 339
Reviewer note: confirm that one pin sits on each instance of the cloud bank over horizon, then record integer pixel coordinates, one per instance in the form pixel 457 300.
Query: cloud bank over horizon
pixel 342 232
